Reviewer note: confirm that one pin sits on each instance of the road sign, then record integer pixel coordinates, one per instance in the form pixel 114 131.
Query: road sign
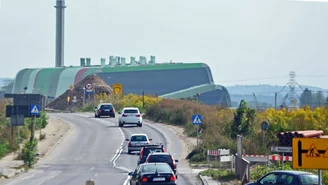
pixel 282 149
pixel 74 99
pixel 17 120
pixel 71 87
pixel 117 88
pixel 35 109
pixel 197 119
pixel 88 87
pixel 310 153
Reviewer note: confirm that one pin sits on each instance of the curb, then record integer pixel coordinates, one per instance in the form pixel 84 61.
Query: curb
pixel 204 182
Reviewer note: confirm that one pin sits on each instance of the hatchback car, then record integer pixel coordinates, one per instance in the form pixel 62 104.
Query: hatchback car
pixel 163 157
pixel 152 174
pixel 287 177
pixel 105 109
pixel 130 115
pixel 146 150
pixel 137 141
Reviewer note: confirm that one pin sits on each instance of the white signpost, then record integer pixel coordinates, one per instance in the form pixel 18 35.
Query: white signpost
pixel 282 149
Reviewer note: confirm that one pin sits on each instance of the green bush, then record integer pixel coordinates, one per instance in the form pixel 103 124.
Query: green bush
pixel 29 152
pixel 4 148
pixel 219 174
pixel 198 158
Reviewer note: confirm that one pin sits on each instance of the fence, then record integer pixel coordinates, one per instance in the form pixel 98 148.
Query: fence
pixel 220 158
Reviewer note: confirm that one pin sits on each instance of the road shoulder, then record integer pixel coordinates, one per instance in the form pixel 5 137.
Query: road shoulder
pixel 54 132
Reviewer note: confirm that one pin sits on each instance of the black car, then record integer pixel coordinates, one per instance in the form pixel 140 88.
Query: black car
pixel 146 150
pixel 287 177
pixel 153 174
pixel 163 157
pixel 105 109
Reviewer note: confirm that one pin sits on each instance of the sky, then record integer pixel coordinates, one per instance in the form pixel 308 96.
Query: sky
pixel 244 42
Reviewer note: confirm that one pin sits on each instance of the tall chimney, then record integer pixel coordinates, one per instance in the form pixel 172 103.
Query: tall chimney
pixel 60 18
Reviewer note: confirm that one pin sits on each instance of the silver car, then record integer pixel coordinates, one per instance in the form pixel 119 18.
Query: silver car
pixel 137 141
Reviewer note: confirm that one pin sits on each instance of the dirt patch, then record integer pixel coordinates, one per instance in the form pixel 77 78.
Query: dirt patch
pixel 55 130
pixel 99 86
pixel 188 143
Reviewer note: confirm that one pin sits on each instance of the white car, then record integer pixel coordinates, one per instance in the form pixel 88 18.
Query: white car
pixel 130 115
pixel 137 141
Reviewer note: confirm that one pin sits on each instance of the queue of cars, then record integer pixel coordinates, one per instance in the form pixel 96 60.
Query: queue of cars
pixel 155 165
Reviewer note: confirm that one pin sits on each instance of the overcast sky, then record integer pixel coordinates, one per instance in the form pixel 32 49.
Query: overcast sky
pixel 243 41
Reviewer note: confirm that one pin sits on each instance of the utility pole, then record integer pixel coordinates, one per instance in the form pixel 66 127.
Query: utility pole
pixel 275 100
pixel 143 98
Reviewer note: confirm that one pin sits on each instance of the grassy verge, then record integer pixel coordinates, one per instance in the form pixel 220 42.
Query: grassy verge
pixel 221 175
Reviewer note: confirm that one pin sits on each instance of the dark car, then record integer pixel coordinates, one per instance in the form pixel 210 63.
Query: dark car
pixel 163 157
pixel 105 109
pixel 146 150
pixel 153 174
pixel 287 177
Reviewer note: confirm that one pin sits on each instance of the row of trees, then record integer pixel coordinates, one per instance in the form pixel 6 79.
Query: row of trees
pixel 316 99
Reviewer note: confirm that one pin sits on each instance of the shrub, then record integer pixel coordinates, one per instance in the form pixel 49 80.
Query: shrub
pixel 29 152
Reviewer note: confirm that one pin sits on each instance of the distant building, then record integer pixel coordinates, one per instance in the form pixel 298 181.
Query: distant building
pixel 169 80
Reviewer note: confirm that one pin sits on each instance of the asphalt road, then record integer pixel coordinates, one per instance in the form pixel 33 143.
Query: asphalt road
pixel 95 148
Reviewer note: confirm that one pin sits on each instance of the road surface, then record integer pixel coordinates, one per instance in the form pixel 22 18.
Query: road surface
pixel 95 148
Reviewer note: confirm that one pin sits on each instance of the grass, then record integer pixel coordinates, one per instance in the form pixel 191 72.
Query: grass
pixel 221 175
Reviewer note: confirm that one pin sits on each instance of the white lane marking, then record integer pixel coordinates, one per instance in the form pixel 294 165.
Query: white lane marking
pixel 126 182
pixel 46 178
pixel 91 169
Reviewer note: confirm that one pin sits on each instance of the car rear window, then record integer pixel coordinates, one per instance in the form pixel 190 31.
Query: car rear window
pixel 131 111
pixel 106 107
pixel 138 138
pixel 308 179
pixel 160 158
pixel 163 168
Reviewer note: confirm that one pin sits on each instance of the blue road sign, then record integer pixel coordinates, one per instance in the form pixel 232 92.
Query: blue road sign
pixel 197 119
pixel 35 109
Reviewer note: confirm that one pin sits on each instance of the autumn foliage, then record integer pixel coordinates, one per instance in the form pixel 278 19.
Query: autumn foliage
pixel 220 125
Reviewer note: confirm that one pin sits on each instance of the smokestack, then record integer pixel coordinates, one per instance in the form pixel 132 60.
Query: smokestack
pixel 60 18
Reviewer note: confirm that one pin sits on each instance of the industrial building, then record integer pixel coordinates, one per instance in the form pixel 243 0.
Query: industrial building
pixel 169 80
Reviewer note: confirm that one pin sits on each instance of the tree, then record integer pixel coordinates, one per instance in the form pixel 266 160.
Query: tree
pixel 318 99
pixel 244 118
pixel 306 98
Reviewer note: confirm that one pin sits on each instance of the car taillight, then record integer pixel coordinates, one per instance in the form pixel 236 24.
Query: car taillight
pixel 172 178
pixel 138 115
pixel 99 110
pixel 141 153
pixel 148 142
pixel 174 164
pixel 124 115
pixel 130 143
pixel 144 179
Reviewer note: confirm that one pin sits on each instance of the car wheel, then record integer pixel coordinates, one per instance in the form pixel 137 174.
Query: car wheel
pixel 129 151
pixel 140 125
pixel 113 116
pixel 95 115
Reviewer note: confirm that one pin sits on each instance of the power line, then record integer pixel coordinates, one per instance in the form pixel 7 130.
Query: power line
pixel 274 77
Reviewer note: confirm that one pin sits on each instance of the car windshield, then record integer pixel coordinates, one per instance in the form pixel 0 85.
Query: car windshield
pixel 308 179
pixel 138 138
pixel 163 168
pixel 130 111
pixel 106 107
pixel 160 158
